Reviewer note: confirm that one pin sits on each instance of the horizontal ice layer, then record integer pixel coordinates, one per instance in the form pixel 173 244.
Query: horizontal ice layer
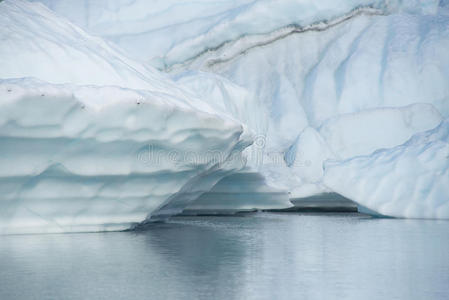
pixel 71 164
pixel 410 180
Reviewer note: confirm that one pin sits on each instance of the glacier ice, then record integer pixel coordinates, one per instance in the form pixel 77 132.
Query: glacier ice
pixel 186 28
pixel 362 133
pixel 307 155
pixel 183 28
pixel 310 83
pixel 68 164
pixel 410 180
pixel 349 135
pixel 77 157
pixel 311 79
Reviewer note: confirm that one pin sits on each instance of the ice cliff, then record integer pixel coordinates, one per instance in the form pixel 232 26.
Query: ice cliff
pixel 264 101
pixel 92 140
pixel 410 180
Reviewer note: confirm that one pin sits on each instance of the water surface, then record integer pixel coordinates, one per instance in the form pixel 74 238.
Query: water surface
pixel 257 256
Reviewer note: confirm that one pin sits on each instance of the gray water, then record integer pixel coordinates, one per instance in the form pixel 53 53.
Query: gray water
pixel 257 256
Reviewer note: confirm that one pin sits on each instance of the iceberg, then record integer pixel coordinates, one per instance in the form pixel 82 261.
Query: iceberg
pixel 69 163
pixel 104 156
pixel 264 100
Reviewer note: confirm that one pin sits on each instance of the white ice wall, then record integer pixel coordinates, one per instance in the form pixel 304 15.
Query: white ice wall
pixel 312 80
pixel 77 157
pixel 410 180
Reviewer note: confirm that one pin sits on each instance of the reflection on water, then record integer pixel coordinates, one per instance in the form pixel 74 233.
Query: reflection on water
pixel 258 256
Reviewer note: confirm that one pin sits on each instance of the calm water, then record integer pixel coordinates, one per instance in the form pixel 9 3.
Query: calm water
pixel 258 256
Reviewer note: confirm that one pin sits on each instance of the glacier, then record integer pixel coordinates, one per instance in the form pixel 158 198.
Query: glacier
pixel 242 104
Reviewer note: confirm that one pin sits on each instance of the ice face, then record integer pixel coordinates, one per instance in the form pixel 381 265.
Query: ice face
pixel 309 81
pixel 327 81
pixel 184 29
pixel 69 165
pixel 83 158
pixel 410 180
pixel 362 133
pixel 367 83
